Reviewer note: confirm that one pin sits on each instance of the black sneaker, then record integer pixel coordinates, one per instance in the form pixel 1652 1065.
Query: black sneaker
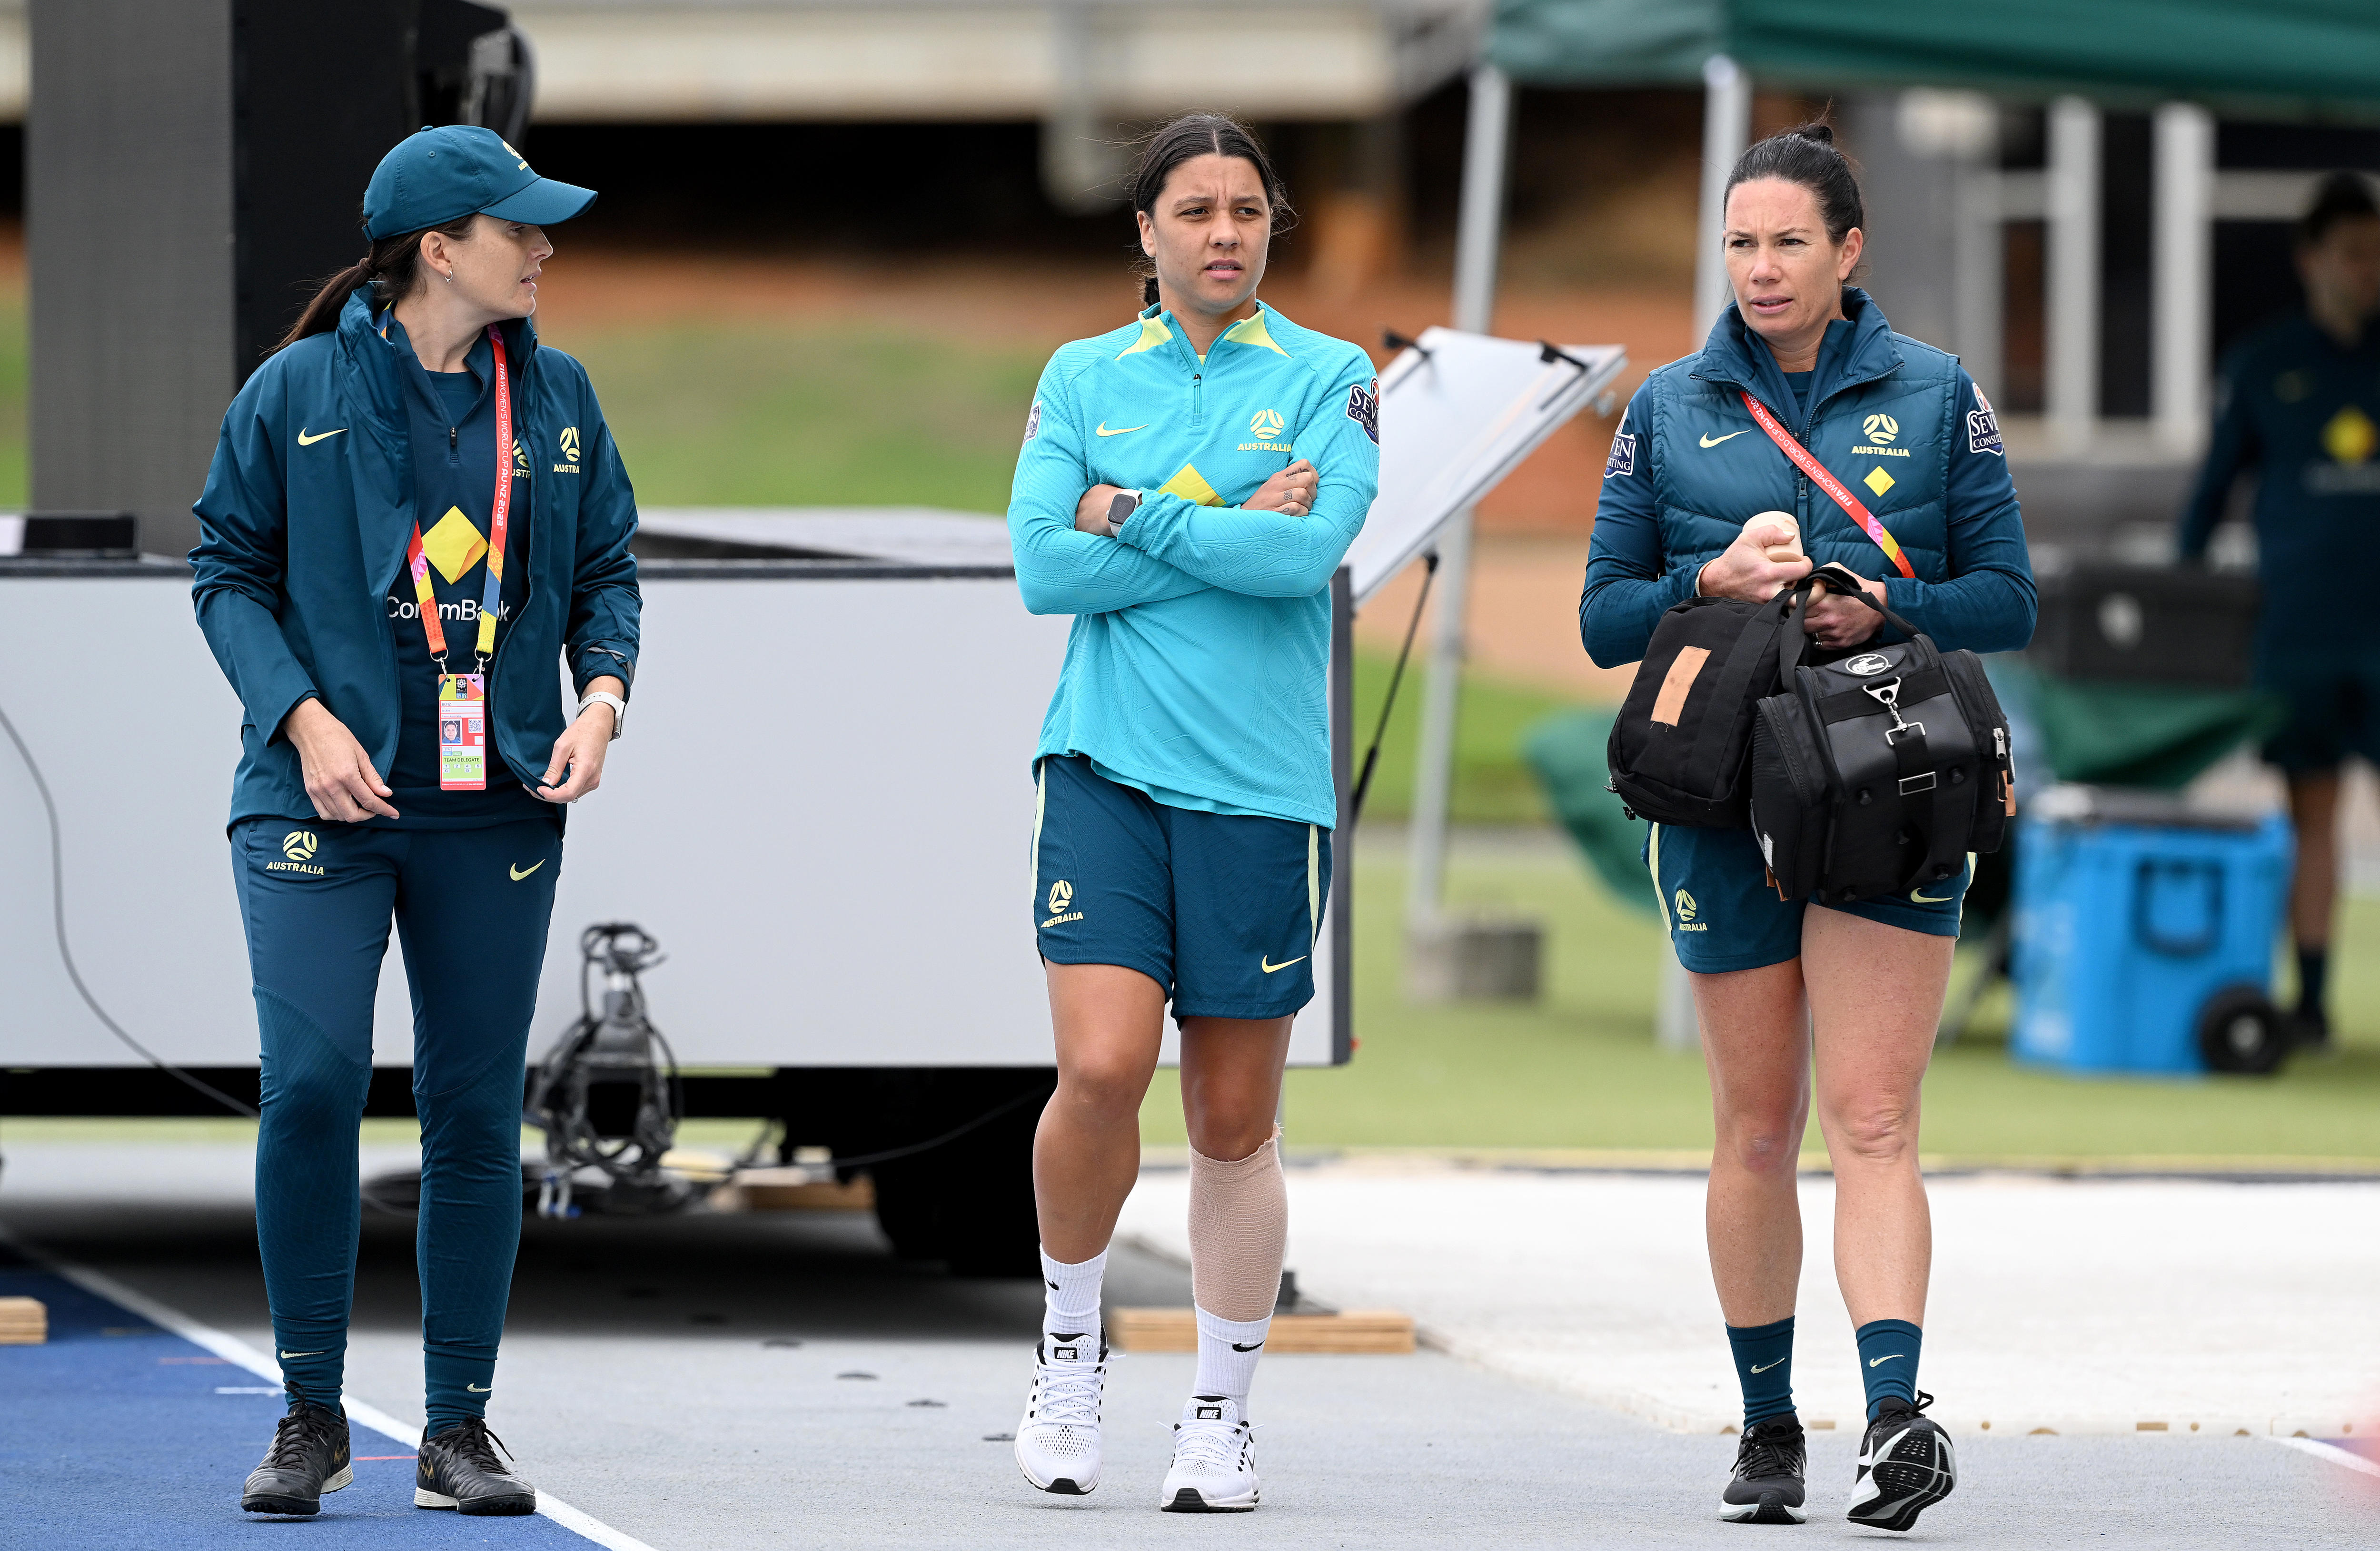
pixel 1768 1471
pixel 458 1469
pixel 1905 1466
pixel 308 1456
pixel 2309 1030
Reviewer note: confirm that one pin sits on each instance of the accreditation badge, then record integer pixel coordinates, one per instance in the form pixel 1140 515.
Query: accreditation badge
pixel 462 732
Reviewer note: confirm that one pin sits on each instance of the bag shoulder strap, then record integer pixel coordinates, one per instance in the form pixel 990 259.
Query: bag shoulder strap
pixel 1828 482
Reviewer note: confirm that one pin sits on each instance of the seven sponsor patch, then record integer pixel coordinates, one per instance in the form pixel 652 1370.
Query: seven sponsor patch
pixel 1363 409
pixel 1033 421
pixel 1983 427
pixel 1623 455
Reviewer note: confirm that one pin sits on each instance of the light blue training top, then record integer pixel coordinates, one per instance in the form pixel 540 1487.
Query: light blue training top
pixel 1199 660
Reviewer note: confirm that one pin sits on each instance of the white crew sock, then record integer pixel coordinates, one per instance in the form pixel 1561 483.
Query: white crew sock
pixel 1070 1314
pixel 1228 1349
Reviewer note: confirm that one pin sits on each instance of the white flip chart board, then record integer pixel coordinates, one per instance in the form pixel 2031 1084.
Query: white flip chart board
pixel 1458 412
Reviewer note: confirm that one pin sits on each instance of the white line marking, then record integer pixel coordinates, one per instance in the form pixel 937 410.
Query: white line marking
pixel 232 1348
pixel 2331 1452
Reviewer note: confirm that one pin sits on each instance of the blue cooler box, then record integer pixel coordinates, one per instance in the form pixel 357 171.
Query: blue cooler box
pixel 2125 931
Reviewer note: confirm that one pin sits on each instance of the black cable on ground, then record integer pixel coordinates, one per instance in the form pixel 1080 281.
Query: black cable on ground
pixel 864 1160
pixel 66 953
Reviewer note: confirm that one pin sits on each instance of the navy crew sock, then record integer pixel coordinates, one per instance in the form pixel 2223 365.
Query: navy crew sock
pixel 1888 1350
pixel 2314 977
pixel 1764 1366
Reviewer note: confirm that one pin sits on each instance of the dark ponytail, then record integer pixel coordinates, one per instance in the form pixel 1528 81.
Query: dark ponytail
pixel 1806 154
pixel 1187 138
pixel 389 266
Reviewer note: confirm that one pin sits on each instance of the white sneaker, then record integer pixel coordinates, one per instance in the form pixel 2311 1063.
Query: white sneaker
pixel 1058 1442
pixel 1214 1459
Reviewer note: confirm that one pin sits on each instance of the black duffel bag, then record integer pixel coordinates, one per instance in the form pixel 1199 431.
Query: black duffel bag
pixel 1876 770
pixel 1682 742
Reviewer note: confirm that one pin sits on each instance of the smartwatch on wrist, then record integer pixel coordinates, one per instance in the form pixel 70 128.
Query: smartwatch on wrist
pixel 1126 504
pixel 605 697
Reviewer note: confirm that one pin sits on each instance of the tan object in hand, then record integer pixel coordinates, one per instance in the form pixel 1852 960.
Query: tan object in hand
pixel 1791 548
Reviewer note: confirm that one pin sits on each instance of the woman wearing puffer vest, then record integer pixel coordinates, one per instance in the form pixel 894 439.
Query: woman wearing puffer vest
pixel 1786 987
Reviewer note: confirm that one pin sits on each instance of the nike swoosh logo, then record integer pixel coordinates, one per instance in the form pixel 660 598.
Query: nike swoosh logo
pixel 1922 897
pixel 306 441
pixel 1885 1358
pixel 1269 966
pixel 519 873
pixel 287 1355
pixel 1123 431
pixel 478 1388
pixel 1709 441
pixel 1760 1368
pixel 1237 1347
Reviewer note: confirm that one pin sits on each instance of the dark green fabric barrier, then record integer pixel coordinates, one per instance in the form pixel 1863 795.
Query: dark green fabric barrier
pixel 1567 752
pixel 2156 736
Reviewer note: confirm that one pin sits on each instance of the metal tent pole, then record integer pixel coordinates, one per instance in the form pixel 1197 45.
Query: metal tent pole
pixel 1727 129
pixel 2073 275
pixel 2181 291
pixel 1485 153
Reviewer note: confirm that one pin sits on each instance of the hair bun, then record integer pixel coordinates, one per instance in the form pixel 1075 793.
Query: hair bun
pixel 1823 133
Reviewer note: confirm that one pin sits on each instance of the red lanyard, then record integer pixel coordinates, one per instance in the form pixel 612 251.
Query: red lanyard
pixel 1828 482
pixel 499 520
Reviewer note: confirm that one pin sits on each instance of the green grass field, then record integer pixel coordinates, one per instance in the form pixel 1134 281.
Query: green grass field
pixel 778 416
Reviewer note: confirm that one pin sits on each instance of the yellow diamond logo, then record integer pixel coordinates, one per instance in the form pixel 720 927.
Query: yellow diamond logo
pixel 2351 437
pixel 1192 486
pixel 454 546
pixel 1876 481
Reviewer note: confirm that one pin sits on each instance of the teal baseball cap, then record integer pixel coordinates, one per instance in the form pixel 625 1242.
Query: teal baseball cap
pixel 438 174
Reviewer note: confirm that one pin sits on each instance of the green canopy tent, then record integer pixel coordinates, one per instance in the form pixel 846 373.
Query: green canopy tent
pixel 2273 58
pixel 2268 59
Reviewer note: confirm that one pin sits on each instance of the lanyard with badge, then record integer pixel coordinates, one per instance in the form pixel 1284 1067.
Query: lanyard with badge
pixel 462 697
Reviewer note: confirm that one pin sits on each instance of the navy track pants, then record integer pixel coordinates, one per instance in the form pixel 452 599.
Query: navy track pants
pixel 471 908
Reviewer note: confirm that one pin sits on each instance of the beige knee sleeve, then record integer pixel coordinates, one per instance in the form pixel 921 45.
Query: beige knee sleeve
pixel 1239 1223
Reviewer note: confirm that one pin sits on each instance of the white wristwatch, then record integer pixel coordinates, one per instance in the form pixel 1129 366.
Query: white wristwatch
pixel 605 697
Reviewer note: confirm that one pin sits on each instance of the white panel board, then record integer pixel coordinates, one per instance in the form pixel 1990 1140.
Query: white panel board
pixel 822 810
pixel 1457 414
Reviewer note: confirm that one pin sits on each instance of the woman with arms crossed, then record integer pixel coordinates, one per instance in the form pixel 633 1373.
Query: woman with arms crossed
pixel 1188 485
pixel 1784 985
pixel 415 512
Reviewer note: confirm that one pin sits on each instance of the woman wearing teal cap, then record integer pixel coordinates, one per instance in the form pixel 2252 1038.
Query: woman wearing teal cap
pixel 414 512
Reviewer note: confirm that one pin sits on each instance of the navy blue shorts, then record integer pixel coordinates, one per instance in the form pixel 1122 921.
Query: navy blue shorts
pixel 2334 710
pixel 1723 913
pixel 1219 908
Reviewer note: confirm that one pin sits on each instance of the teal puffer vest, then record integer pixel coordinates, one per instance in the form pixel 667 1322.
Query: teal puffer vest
pixel 1884 409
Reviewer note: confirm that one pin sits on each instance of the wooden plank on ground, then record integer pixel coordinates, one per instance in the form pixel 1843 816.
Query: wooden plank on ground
pixel 24 1322
pixel 792 1190
pixel 1380 1331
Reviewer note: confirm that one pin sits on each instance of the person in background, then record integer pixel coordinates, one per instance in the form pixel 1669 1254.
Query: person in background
pixel 415 517
pixel 2299 402
pixel 1188 485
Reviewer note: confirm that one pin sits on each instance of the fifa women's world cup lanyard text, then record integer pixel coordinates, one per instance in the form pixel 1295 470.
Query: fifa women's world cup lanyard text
pixel 463 697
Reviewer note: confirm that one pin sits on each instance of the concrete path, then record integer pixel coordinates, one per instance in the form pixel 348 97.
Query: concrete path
pixel 717 1383
pixel 2175 1306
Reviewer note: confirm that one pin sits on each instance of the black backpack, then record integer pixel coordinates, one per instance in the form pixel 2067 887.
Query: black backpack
pixel 1681 744
pixel 1876 770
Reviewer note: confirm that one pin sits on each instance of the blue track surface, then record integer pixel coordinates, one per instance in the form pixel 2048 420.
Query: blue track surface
pixel 116 1434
